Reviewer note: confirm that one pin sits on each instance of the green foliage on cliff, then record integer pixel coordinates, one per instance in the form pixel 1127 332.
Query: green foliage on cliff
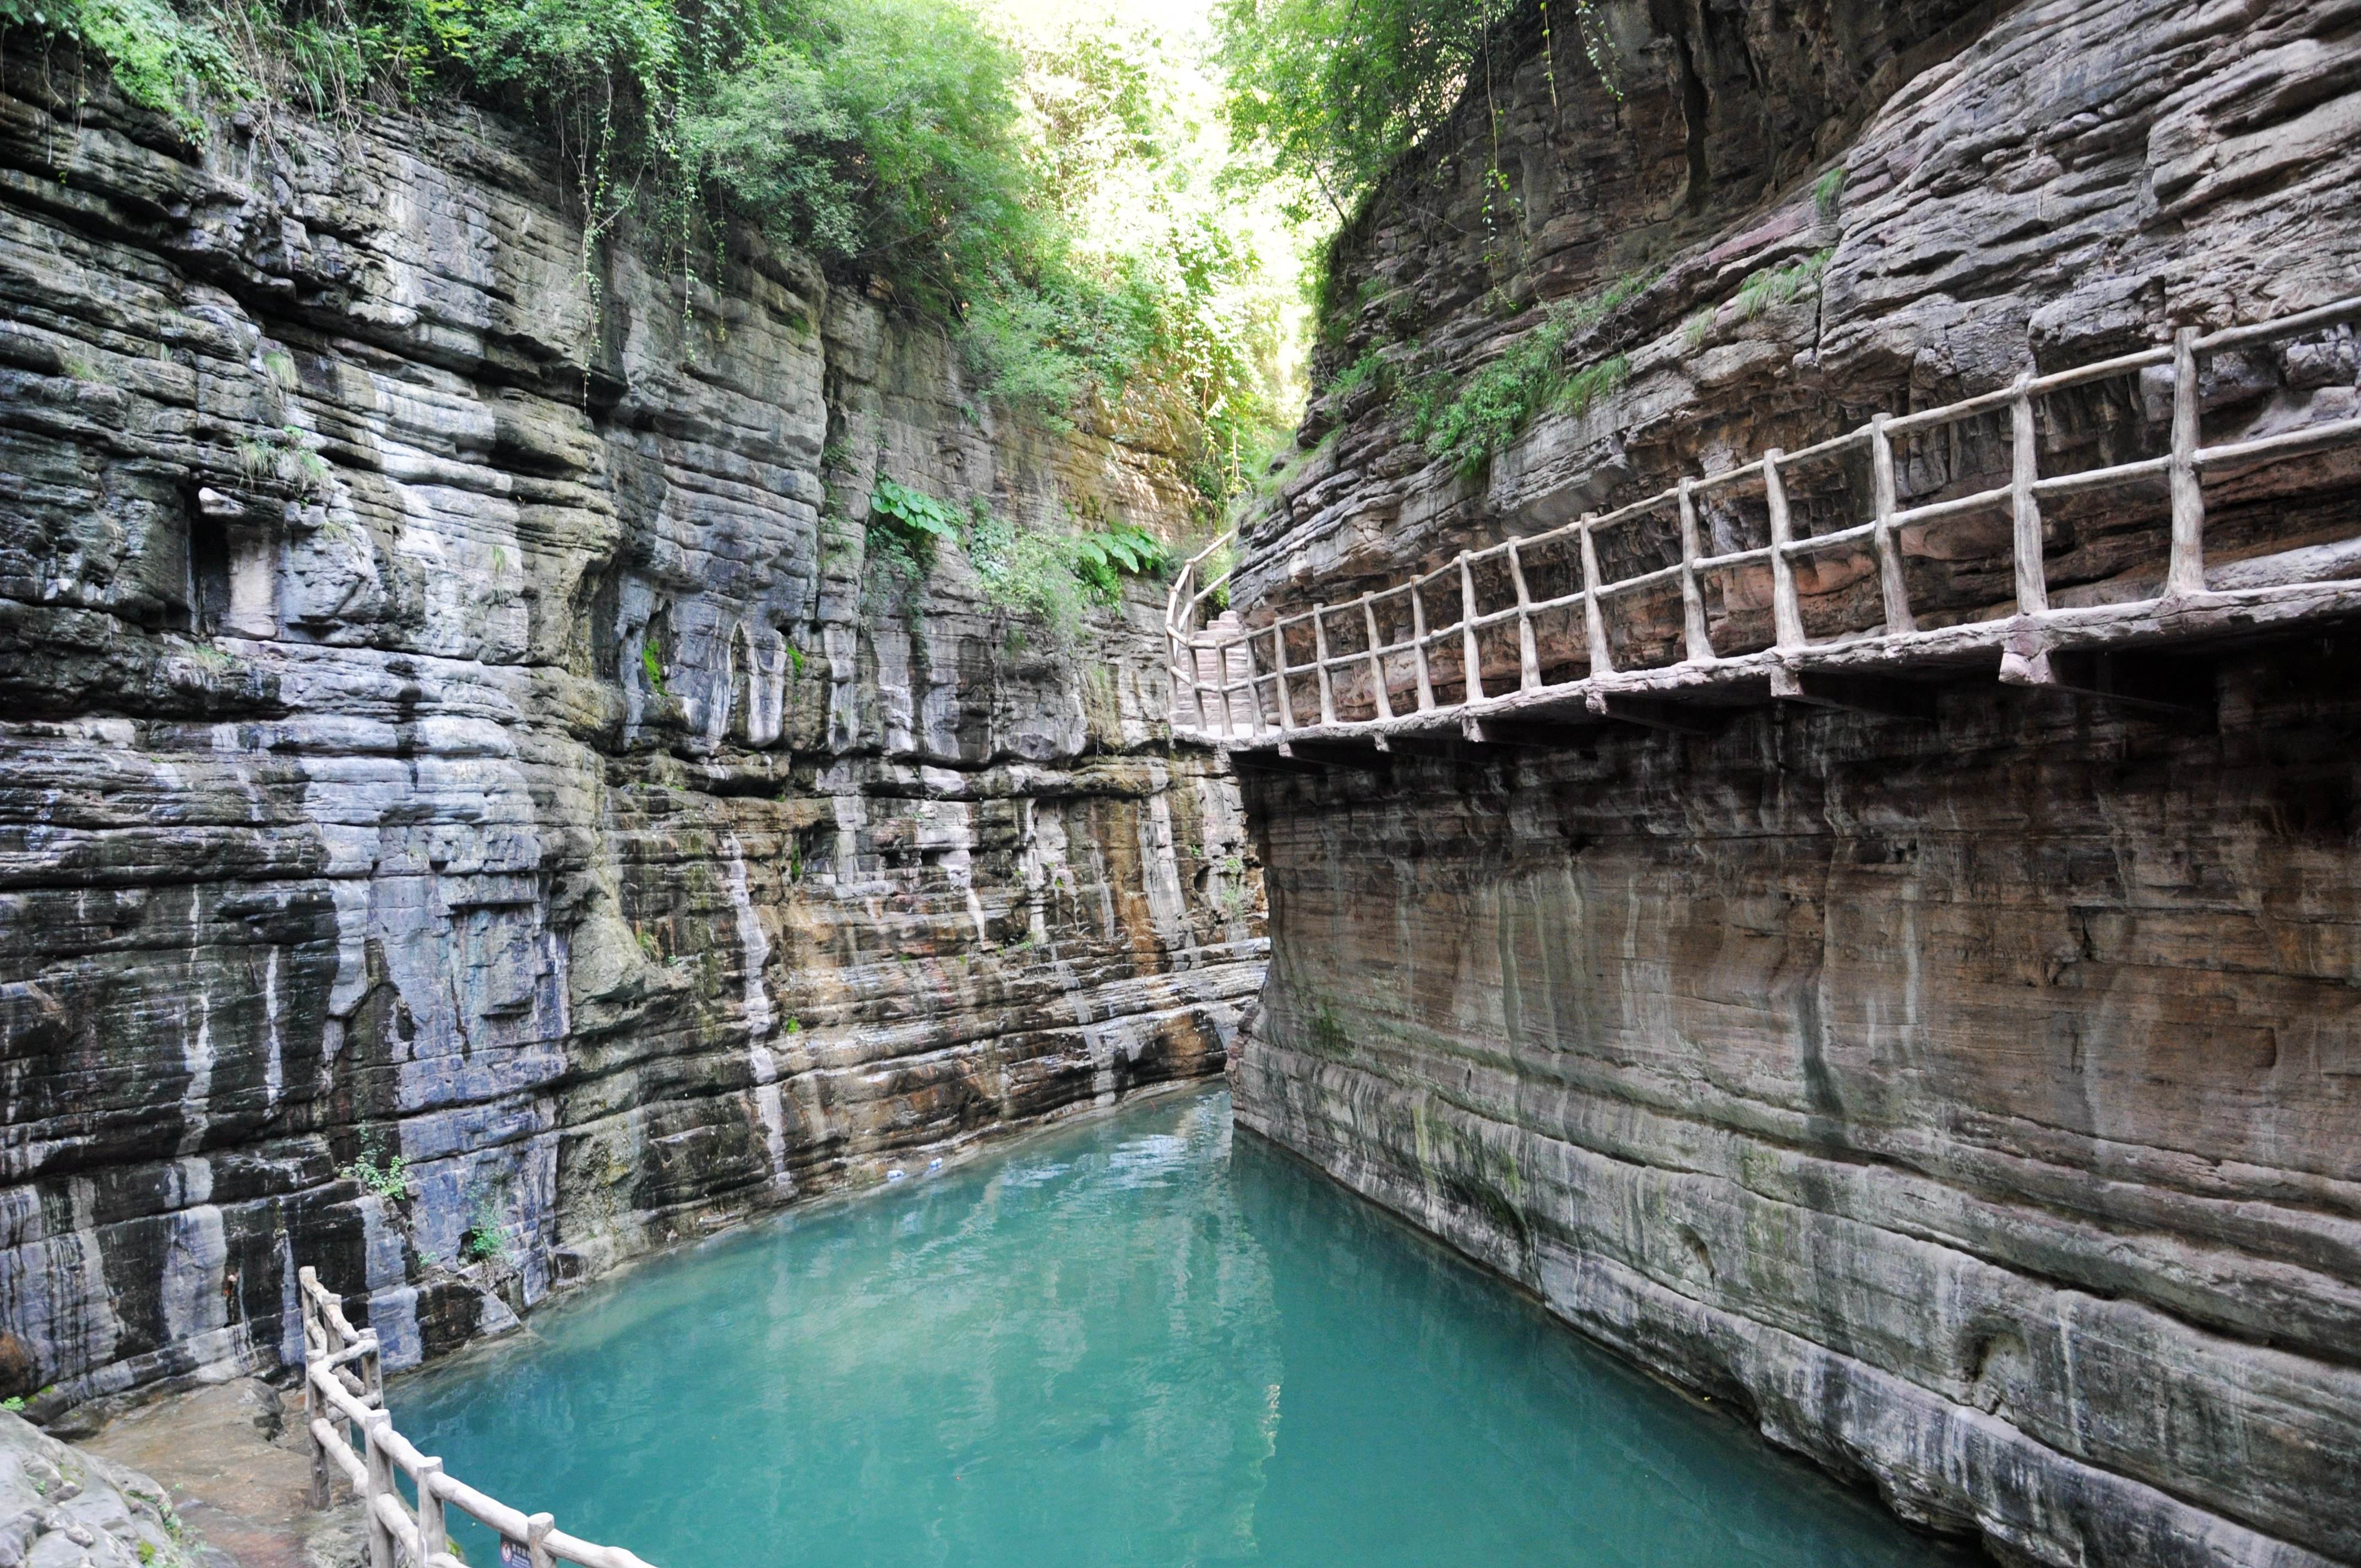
pixel 1038 191
pixel 1053 578
pixel 157 59
pixel 1762 289
pixel 1468 421
pixel 918 518
pixel 1046 576
pixel 384 1179
pixel 882 135
pixel 1329 93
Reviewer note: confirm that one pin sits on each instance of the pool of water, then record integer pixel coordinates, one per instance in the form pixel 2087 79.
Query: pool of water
pixel 1138 1343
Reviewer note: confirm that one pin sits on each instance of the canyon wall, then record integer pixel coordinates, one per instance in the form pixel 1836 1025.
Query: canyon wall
pixel 1968 1102
pixel 472 809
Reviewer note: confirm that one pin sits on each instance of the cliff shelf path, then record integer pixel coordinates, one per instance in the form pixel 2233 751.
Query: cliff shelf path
pixel 1386 673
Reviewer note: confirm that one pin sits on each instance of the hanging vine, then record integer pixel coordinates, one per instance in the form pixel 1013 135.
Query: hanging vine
pixel 1549 58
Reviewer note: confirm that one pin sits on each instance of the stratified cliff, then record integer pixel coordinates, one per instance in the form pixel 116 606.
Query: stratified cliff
pixel 1970 1103
pixel 449 730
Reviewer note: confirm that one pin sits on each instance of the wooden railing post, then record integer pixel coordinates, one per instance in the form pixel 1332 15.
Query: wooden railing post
pixel 1889 530
pixel 1594 623
pixel 1197 686
pixel 434 1535
pixel 307 1281
pixel 1376 663
pixel 1320 651
pixel 1697 642
pixel 373 1457
pixel 1254 684
pixel 1418 640
pixel 2185 573
pixel 1221 677
pixel 1786 609
pixel 1529 658
pixel 1889 551
pixel 2025 467
pixel 1175 639
pixel 1474 692
pixel 376 1481
pixel 1279 675
pixel 1172 666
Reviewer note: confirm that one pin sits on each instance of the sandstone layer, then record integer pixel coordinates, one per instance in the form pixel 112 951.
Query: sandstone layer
pixel 1970 1101
pixel 470 811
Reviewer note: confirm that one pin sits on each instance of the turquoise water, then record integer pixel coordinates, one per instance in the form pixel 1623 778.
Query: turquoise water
pixel 1133 1343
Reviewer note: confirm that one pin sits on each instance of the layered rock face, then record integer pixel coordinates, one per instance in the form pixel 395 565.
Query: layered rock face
pixel 1783 226
pixel 1970 1103
pixel 453 737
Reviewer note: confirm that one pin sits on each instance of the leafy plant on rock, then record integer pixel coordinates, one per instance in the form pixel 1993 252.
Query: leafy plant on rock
pixel 1469 422
pixel 1054 579
pixel 378 1176
pixel 485 1239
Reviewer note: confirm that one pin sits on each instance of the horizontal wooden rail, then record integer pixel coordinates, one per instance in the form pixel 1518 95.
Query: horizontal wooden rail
pixel 339 1403
pixel 1196 699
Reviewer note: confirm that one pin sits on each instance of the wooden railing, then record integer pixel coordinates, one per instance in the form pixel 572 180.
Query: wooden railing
pixel 1238 687
pixel 344 1408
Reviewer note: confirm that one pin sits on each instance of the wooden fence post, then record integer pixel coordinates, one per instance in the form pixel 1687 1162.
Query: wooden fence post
pixel 1320 651
pixel 2186 572
pixel 2025 507
pixel 307 1281
pixel 1889 549
pixel 1377 665
pixel 1786 609
pixel 372 1377
pixel 1529 658
pixel 377 1473
pixel 1698 643
pixel 1594 621
pixel 1172 666
pixel 1418 638
pixel 1468 653
pixel 1197 689
pixel 536 1540
pixel 1222 679
pixel 1279 675
pixel 1254 684
pixel 433 1536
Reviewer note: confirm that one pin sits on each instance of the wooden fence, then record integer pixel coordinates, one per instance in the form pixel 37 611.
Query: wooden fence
pixel 1238 686
pixel 344 1408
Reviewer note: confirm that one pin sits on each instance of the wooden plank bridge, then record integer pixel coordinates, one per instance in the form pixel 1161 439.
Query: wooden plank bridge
pixel 1344 684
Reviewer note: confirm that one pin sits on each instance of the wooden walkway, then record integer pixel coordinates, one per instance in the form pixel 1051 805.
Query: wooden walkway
pixel 1385 671
pixel 344 1408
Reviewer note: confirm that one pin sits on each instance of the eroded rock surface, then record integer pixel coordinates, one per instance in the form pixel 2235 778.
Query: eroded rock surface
pixel 444 723
pixel 1970 1102
pixel 62 1506
pixel 1877 208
